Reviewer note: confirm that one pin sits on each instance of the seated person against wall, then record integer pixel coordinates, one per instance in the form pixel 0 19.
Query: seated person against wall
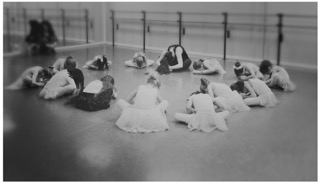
pixel 207 66
pixel 246 71
pixel 33 39
pixel 178 60
pixel 49 39
pixel 99 62
pixel 96 96
pixel 276 76
pixel 139 61
pixel 32 77
pixel 64 62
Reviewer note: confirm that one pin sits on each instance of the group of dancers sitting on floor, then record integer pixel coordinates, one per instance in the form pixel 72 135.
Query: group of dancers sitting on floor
pixel 145 110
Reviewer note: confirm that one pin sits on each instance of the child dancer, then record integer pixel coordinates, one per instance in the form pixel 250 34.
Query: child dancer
pixel 207 66
pixel 224 97
pixel 96 96
pixel 100 62
pixel 62 83
pixel 147 114
pixel 64 62
pixel 34 76
pixel 255 92
pixel 276 76
pixel 139 61
pixel 202 114
pixel 245 71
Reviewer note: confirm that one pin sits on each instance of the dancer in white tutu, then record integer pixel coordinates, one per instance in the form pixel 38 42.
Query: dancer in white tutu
pixel 255 92
pixel 207 66
pixel 202 115
pixel 139 61
pixel 276 76
pixel 224 97
pixel 99 62
pixel 147 113
pixel 245 71
pixel 62 83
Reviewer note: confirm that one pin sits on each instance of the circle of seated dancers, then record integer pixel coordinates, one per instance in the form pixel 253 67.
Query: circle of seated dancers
pixel 145 111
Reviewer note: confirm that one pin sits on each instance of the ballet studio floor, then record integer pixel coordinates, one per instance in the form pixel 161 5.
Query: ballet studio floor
pixel 49 141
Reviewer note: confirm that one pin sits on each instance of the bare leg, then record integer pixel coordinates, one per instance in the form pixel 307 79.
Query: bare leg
pixel 186 118
pixel 252 101
pixel 224 114
pixel 219 103
pixel 123 104
pixel 150 62
pixel 65 90
pixel 20 83
pixel 130 63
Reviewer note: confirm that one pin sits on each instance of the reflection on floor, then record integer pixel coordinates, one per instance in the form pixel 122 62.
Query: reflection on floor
pixel 46 140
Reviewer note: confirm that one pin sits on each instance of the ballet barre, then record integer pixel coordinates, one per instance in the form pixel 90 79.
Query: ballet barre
pixel 226 24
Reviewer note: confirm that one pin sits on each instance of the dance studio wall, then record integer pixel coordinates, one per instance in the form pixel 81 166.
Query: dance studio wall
pixel 245 42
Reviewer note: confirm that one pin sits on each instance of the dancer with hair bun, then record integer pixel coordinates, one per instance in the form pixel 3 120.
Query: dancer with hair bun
pixel 147 112
pixel 246 71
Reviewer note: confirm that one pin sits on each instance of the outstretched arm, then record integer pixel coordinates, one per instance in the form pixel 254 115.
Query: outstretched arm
pixel 210 90
pixel 251 90
pixel 34 78
pixel 90 64
pixel 179 59
pixel 159 98
pixel 132 96
pixel 190 108
pixel 161 57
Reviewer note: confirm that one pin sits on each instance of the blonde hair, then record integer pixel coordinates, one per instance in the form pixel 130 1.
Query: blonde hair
pixel 140 58
pixel 154 79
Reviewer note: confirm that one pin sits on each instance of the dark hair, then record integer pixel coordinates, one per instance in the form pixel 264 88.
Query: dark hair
pixel 139 61
pixel 77 76
pixel 36 32
pixel 50 29
pixel 265 66
pixel 70 63
pixel 197 65
pixel 102 63
pixel 195 93
pixel 238 86
pixel 204 83
pixel 108 79
pixel 238 72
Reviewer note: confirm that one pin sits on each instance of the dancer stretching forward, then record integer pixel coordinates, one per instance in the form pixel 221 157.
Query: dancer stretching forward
pixel 202 114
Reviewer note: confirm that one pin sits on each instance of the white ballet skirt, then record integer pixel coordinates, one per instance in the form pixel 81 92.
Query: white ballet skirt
pixel 144 116
pixel 234 103
pixel 265 95
pixel 282 80
pixel 231 100
pixel 54 85
pixel 215 63
pixel 207 121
